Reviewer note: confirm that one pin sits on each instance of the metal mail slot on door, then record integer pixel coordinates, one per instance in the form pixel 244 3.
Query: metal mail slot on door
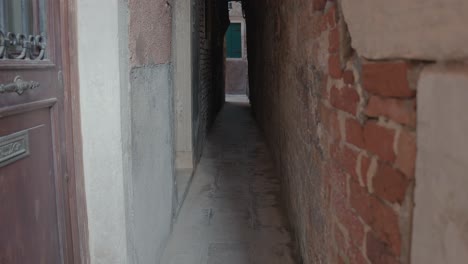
pixel 13 147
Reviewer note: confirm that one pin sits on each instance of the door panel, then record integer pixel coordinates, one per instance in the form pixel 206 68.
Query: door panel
pixel 29 232
pixel 233 41
pixel 35 221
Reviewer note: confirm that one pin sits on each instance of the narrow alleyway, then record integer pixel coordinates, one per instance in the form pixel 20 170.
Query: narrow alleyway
pixel 232 212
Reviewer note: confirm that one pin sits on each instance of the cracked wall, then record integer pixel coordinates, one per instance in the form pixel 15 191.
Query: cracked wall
pixel 343 128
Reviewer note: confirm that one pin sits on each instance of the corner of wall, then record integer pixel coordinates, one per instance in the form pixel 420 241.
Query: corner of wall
pixel 151 113
pixel 182 83
pixel 126 127
pixel 103 82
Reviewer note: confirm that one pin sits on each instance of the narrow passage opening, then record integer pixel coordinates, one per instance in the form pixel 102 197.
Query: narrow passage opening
pixel 236 52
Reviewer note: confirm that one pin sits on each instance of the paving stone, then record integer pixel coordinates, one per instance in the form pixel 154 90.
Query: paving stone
pixel 231 214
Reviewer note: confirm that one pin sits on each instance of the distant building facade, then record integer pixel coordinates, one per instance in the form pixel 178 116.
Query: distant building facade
pixel 236 52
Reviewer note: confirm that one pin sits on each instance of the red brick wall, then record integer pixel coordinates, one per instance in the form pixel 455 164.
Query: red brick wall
pixel 342 131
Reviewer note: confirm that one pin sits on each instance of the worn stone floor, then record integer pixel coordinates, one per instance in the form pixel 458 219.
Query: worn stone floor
pixel 232 212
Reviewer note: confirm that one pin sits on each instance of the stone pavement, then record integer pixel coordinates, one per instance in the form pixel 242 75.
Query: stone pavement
pixel 232 212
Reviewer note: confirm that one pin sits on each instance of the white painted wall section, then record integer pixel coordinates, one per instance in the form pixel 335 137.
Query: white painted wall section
pixel 103 75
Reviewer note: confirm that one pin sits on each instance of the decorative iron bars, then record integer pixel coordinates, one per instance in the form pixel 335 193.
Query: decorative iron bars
pixel 22 47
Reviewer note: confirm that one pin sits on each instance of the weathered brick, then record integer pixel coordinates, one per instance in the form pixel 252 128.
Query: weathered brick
pixel 379 140
pixel 334 40
pixel 334 66
pixel 348 77
pixel 338 181
pixel 286 101
pixel 356 256
pixel 319 5
pixel 340 240
pixel 401 111
pixel 387 79
pixel 354 132
pixel 332 16
pixel 381 218
pixel 338 197
pixel 352 224
pixel 346 99
pixel 365 164
pixel 323 26
pixel 340 260
pixel 329 119
pixel 334 126
pixel 390 184
pixel 349 161
pixel 406 158
pixel 323 89
pixel 345 158
pixel 378 251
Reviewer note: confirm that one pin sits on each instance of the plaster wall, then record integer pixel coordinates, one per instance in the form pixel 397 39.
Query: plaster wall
pixel 236 76
pixel 440 226
pixel 236 11
pixel 127 128
pixel 152 178
pixel 420 29
pixel 182 57
pixel 150 31
pixel 151 186
pixel 103 80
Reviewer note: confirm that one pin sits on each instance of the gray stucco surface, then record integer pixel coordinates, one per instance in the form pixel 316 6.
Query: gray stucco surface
pixel 440 224
pixel 233 212
pixel 182 82
pixel 151 193
pixel 417 29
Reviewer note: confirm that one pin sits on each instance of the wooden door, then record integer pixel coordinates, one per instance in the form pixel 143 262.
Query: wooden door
pixel 234 41
pixel 34 215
